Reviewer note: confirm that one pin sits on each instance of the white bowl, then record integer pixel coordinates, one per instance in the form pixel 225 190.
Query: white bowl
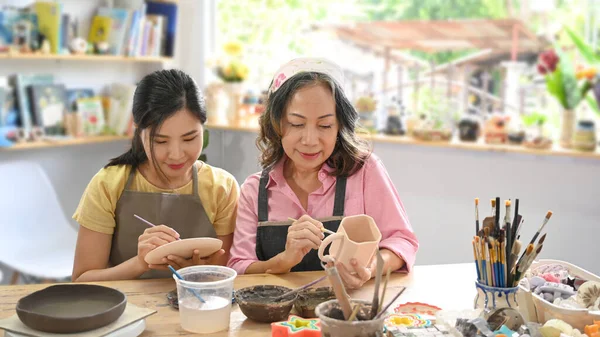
pixel 536 309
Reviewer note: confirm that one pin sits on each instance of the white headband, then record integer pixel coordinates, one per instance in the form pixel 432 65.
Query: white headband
pixel 306 64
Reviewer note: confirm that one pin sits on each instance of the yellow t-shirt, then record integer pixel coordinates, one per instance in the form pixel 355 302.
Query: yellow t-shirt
pixel 217 188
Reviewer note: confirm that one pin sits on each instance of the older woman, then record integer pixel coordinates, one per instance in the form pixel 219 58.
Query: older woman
pixel 317 170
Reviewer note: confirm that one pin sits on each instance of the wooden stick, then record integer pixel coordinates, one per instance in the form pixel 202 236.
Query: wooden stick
pixel 340 291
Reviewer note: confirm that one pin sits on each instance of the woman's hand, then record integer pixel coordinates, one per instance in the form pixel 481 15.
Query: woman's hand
pixel 360 276
pixel 303 235
pixel 152 238
pixel 178 262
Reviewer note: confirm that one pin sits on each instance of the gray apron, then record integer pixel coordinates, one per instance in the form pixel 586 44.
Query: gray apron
pixel 272 235
pixel 182 212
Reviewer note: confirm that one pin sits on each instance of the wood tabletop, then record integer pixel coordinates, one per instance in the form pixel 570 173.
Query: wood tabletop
pixel 449 287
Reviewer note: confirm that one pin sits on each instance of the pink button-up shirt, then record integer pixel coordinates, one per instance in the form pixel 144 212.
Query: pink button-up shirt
pixel 368 191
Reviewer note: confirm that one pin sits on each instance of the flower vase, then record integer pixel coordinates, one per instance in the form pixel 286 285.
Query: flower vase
pixel 490 298
pixel 235 93
pixel 216 102
pixel 567 127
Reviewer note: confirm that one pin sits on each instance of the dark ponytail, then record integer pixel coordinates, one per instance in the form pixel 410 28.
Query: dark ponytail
pixel 157 97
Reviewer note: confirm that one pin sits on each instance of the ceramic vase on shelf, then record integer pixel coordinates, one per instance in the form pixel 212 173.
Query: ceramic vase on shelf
pixel 489 298
pixel 584 138
pixel 216 102
pixel 235 93
pixel 567 128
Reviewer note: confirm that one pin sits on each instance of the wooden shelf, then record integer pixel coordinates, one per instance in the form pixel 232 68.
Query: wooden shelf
pixel 96 58
pixel 249 125
pixel 67 142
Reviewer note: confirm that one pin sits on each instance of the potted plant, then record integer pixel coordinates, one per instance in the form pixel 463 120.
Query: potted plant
pixel 232 71
pixel 365 106
pixel 566 85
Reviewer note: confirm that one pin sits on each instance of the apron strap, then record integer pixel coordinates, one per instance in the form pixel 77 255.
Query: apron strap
pixel 195 180
pixel 263 199
pixel 340 196
pixel 130 178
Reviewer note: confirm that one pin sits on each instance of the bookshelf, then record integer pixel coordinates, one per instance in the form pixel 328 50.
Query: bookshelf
pixel 67 142
pixel 91 58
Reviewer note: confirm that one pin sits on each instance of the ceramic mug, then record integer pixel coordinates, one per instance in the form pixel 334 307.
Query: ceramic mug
pixel 357 237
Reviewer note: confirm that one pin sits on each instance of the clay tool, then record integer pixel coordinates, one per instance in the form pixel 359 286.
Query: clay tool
pixel 148 222
pixel 375 303
pixel 323 229
pixel 181 278
pixel 476 216
pixel 390 303
pixel 339 290
pixel 306 286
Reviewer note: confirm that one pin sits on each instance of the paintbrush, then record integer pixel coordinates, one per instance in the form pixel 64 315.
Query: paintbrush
pixel 508 244
pixel 497 217
pixel 375 303
pixel 148 222
pixel 385 283
pixel 323 229
pixel 339 290
pixel 546 219
pixel 306 286
pixel 530 258
pixel 515 223
pixel 476 216
pixel 354 312
pixel 390 303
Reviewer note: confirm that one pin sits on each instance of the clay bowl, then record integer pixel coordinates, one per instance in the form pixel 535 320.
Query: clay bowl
pixel 257 303
pixel 308 300
pixel 71 308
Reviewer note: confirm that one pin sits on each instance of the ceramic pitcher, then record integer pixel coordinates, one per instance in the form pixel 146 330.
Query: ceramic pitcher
pixel 357 237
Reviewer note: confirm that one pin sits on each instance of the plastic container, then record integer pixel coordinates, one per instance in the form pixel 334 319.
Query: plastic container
pixel 213 284
pixel 536 309
pixel 333 327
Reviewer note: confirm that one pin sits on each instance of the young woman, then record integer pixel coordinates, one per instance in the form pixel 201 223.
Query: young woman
pixel 161 180
pixel 316 170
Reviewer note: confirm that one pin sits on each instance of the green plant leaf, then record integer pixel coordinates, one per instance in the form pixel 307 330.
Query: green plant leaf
pixel 593 104
pixel 205 138
pixel 586 50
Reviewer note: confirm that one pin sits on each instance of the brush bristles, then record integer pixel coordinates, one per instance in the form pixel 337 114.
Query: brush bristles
pixel 493 201
pixel 507 203
pixel 476 201
pixel 548 215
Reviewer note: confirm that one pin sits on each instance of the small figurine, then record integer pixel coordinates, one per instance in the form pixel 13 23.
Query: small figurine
pixel 495 129
pixel 79 46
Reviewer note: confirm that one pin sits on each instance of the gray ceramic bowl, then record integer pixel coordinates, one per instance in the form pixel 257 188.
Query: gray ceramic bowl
pixel 257 304
pixel 71 308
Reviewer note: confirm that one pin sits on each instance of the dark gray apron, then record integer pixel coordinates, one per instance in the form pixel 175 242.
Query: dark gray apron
pixel 182 212
pixel 271 235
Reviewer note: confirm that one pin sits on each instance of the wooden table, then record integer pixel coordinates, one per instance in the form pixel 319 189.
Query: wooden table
pixel 448 286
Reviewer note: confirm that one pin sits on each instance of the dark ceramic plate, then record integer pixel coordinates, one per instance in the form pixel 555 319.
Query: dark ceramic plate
pixel 70 308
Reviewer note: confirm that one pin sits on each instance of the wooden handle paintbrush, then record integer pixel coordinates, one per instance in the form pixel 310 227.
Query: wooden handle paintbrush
pixel 323 229
pixel 476 216
pixel 546 219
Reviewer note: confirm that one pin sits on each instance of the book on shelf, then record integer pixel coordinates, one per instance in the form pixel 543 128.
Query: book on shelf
pixel 133 28
pixel 49 23
pixel 21 82
pixel 48 107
